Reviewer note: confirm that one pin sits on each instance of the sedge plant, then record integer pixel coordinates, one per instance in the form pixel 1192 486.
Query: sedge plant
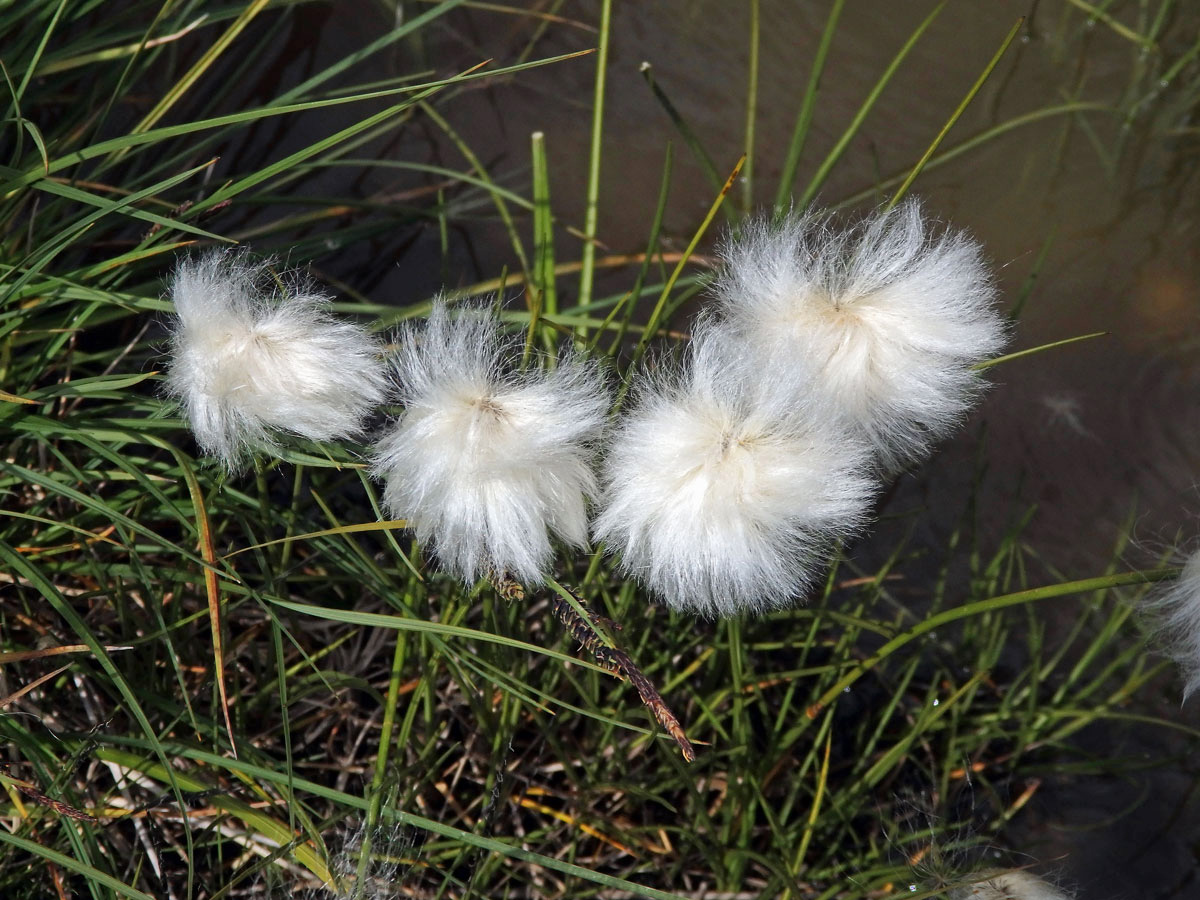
pixel 209 671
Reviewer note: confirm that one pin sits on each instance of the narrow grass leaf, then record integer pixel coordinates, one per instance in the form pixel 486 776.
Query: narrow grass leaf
pixel 509 851
pixel 1008 357
pixel 388 525
pixel 73 865
pixel 202 65
pixel 211 590
pixel 685 130
pixel 954 117
pixel 933 622
pixel 657 314
pixel 843 142
pixel 591 203
pixel 6 397
pixel 787 177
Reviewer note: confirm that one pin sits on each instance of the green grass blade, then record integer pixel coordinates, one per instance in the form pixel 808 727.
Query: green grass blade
pixel 954 117
pixel 681 125
pixel 932 623
pixel 71 864
pixel 202 65
pixel 491 845
pixel 1008 357
pixel 787 177
pixel 751 109
pixel 656 316
pixel 592 199
pixel 864 110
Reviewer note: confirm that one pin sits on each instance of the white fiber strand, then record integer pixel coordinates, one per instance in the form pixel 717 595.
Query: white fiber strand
pixel 1173 610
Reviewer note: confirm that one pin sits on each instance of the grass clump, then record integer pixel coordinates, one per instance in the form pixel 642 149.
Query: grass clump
pixel 207 677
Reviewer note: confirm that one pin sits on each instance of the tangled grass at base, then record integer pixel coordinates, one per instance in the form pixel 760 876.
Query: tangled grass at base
pixel 884 739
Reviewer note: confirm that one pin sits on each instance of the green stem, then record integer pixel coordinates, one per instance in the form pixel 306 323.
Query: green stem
pixel 945 617
pixel 751 111
pixel 863 111
pixel 1029 351
pixel 588 262
pixel 966 101
pixel 787 178
pixel 382 756
pixel 544 297
pixel 657 315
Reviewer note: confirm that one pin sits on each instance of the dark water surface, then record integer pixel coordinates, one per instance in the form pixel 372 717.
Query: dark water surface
pixel 1091 433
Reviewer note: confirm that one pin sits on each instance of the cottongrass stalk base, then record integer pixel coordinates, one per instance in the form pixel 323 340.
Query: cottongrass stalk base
pixel 1173 613
pixel 890 318
pixel 247 363
pixel 487 464
pixel 725 489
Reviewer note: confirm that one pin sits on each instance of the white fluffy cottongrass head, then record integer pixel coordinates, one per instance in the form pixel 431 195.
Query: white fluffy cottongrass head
pixel 383 876
pixel 725 488
pixel 1014 885
pixel 1173 611
pixel 249 360
pixel 890 316
pixel 487 464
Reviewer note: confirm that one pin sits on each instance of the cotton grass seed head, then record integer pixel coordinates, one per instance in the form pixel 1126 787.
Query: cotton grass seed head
pixel 1014 885
pixel 725 487
pixel 488 463
pixel 249 360
pixel 890 317
pixel 1173 613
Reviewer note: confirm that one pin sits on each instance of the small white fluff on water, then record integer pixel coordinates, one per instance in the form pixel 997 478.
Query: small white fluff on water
pixel 1173 610
pixel 1015 885
pixel 248 361
pixel 890 316
pixel 486 463
pixel 725 488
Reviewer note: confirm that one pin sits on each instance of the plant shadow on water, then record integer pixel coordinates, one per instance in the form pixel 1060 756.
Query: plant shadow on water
pixel 1031 735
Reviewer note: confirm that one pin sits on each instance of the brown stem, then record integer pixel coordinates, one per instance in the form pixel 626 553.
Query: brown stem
pixel 617 661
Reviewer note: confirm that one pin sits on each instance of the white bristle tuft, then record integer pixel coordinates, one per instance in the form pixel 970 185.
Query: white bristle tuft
pixel 487 463
pixel 889 318
pixel 725 488
pixel 247 363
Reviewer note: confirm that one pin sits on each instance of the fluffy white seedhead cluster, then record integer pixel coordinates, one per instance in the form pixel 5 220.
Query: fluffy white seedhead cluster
pixel 889 317
pixel 1173 611
pixel 1015 885
pixel 488 463
pixel 249 360
pixel 834 352
pixel 725 489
